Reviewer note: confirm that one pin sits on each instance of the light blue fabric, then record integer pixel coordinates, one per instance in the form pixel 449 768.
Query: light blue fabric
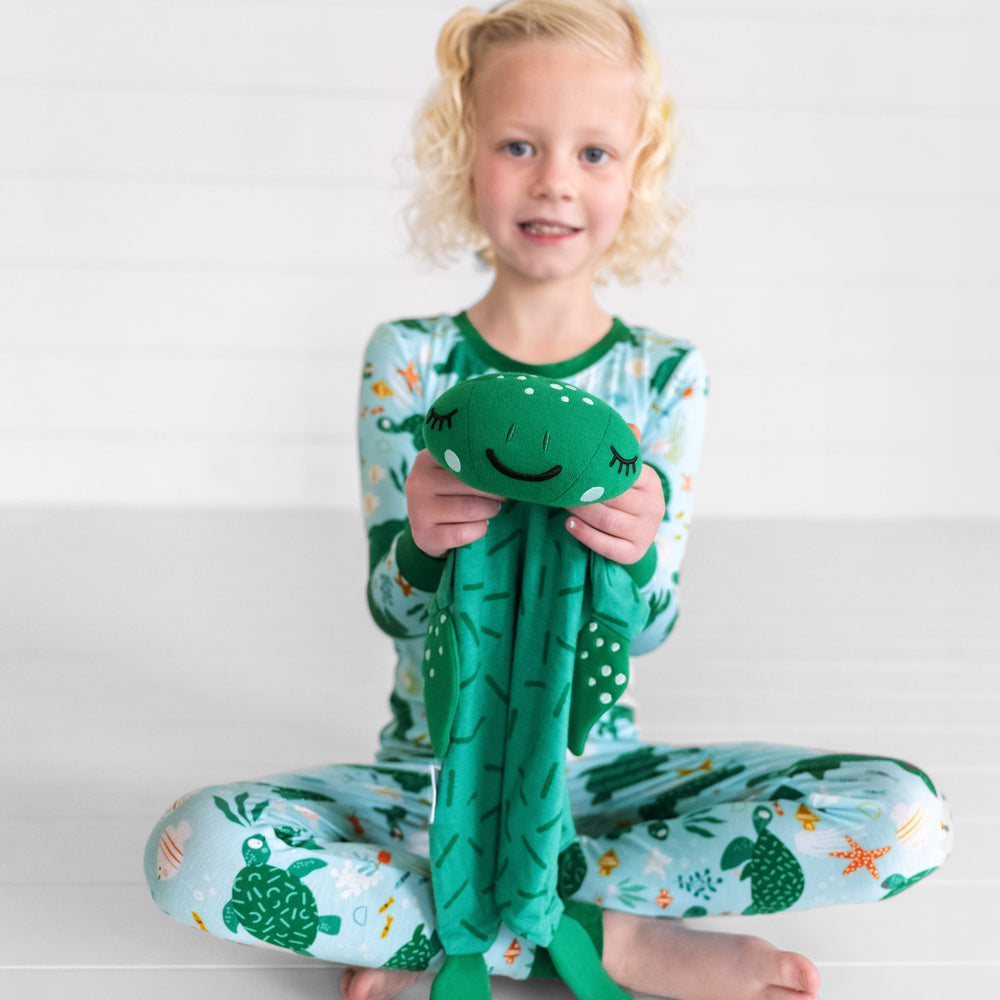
pixel 656 829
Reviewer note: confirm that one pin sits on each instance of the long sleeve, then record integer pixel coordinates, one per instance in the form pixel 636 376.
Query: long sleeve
pixel 672 440
pixel 392 407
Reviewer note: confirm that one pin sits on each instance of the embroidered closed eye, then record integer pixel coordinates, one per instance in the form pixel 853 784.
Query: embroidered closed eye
pixel 626 465
pixel 439 420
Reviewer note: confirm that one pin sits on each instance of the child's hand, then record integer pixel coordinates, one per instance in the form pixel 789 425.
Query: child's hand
pixel 445 513
pixel 622 529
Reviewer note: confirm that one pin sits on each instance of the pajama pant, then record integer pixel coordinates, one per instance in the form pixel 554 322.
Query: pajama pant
pixel 333 862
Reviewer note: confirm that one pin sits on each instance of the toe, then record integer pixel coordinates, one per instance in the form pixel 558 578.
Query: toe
pixel 347 978
pixel 796 972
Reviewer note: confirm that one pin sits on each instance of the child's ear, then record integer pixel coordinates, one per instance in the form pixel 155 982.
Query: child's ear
pixel 637 432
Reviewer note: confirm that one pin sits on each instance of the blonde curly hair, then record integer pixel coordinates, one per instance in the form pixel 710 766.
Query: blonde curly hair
pixel 442 216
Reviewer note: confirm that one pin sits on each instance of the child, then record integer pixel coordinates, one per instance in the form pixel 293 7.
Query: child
pixel 545 146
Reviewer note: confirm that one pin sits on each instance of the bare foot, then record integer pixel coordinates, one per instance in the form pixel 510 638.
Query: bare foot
pixel 666 959
pixel 375 984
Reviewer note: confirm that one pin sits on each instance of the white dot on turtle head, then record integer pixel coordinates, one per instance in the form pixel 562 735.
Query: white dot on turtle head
pixel 615 646
pixel 565 399
pixel 620 679
pixel 592 626
pixel 454 462
pixel 592 681
pixel 605 698
pixel 427 655
pixel 605 671
pixel 529 392
pixel 444 618
pixel 555 385
pixel 522 378
pixel 430 673
pixel 440 650
pixel 588 401
pixel 584 655
pixel 598 643
pixel 594 493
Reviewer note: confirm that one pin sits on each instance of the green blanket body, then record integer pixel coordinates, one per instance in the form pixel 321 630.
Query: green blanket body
pixel 527 646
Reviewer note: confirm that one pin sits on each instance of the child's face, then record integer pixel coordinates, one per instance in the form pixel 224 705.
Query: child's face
pixel 555 144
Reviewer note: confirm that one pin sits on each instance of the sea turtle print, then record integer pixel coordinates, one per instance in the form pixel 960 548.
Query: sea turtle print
pixel 776 877
pixel 417 953
pixel 527 646
pixel 274 905
pixel 897 883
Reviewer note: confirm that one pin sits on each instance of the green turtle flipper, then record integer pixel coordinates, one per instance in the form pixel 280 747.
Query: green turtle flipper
pixel 441 676
pixel 599 679
pixel 736 853
pixel 601 671
pixel 229 917
pixel 576 960
pixel 462 977
pixel 305 866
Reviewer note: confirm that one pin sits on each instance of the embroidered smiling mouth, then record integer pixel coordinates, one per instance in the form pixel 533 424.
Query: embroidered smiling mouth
pixel 526 477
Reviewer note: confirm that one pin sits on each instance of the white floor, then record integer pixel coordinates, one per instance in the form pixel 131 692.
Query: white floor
pixel 144 654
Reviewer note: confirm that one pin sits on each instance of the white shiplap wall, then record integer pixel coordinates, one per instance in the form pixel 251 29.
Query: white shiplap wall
pixel 199 227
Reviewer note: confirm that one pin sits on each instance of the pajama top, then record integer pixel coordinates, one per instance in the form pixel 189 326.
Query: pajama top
pixel 657 383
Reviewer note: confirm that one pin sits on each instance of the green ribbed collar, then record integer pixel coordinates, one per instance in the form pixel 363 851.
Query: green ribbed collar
pixel 618 333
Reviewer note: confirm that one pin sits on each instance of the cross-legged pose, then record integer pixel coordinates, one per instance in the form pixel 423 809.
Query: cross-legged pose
pixel 543 147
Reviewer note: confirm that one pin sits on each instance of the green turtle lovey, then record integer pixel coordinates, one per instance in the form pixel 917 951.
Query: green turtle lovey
pixel 527 646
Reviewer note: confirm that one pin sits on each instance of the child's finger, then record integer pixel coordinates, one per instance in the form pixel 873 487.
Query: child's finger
pixel 459 507
pixel 448 484
pixel 619 550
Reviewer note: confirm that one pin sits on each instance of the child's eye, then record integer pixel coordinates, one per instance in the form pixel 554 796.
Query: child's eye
pixel 518 149
pixel 439 420
pixel 594 154
pixel 626 465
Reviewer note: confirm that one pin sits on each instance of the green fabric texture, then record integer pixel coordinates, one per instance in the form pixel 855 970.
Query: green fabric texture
pixel 619 333
pixel 573 954
pixel 590 917
pixel 527 646
pixel 642 571
pixel 462 976
pixel 528 437
pixel 417 566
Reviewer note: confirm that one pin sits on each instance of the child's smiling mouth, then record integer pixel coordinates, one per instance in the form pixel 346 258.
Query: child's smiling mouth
pixel 544 227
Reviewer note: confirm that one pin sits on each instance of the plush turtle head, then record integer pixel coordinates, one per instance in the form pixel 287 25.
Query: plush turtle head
pixel 256 851
pixel 532 438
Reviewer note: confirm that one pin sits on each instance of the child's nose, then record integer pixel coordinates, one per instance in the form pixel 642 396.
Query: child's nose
pixel 553 179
